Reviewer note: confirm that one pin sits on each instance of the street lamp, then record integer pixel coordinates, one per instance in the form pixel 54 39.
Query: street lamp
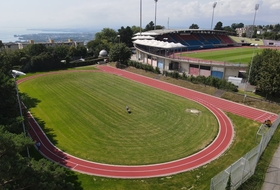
pixel 119 36
pixel 256 8
pixel 214 6
pixel 155 14
pixel 246 85
pixel 16 73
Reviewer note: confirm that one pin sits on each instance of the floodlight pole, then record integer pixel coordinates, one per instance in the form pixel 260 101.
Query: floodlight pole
pixel 214 6
pixel 140 17
pixel 246 85
pixel 15 74
pixel 256 8
pixel 155 27
pixel 119 36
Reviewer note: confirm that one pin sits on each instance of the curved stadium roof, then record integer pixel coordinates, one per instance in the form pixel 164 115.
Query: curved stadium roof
pixel 159 44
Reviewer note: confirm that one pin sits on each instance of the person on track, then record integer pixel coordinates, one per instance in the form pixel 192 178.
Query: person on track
pixel 38 145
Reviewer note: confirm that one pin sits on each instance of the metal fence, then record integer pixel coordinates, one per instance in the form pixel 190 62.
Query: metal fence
pixel 244 168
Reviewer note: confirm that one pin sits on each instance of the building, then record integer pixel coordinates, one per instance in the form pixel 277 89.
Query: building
pixel 50 43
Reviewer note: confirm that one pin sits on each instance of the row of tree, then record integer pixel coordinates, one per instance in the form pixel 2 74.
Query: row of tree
pixel 219 26
pixel 38 57
pixel 17 171
pixel 271 32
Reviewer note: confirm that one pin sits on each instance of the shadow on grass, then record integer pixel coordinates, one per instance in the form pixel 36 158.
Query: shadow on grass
pixel 49 132
pixel 70 176
pixel 29 101
pixel 32 103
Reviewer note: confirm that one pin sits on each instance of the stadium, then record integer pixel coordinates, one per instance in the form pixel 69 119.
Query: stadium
pixel 99 111
pixel 165 48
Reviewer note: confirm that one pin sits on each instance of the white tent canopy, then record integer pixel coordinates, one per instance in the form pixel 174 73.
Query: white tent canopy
pixel 159 44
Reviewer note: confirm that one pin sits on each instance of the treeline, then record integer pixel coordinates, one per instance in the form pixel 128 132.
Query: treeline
pixel 38 57
pixel 209 81
pixel 17 170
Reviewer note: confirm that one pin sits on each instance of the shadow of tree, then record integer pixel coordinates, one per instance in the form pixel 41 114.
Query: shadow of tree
pixel 29 101
pixel 73 178
pixel 48 131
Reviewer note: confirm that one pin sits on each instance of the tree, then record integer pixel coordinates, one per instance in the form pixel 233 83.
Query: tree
pixel 135 29
pixel 16 170
pixel 103 41
pixel 1 44
pixel 265 72
pixel 120 52
pixel 236 25
pixel 106 34
pixel 95 46
pixel 150 26
pixel 219 26
pixel 194 26
pixel 125 35
pixel 35 49
pixel 229 29
pixel 61 51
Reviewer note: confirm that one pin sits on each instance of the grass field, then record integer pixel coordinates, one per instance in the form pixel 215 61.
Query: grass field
pixel 241 55
pixel 84 114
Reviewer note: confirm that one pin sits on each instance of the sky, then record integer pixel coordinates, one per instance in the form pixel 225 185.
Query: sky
pixel 99 14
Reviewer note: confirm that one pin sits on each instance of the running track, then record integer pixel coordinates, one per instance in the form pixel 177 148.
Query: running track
pixel 215 149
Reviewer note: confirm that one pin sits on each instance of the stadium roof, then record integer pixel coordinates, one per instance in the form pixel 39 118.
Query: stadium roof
pixel 166 31
pixel 159 44
pixel 143 37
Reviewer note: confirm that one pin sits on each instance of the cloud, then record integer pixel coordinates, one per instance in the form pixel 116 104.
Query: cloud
pixel 114 14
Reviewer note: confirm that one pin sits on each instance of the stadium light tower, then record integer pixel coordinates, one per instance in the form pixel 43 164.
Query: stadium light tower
pixel 155 14
pixel 256 9
pixel 246 85
pixel 140 17
pixel 214 6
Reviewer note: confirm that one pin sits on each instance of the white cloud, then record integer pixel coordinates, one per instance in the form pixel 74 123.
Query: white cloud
pixel 114 14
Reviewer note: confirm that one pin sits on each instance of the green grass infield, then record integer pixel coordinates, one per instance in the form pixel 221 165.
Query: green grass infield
pixel 84 114
pixel 241 55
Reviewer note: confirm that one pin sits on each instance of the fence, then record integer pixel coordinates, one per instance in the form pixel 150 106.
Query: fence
pixel 245 167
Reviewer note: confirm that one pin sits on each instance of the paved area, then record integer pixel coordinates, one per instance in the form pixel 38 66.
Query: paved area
pixel 272 178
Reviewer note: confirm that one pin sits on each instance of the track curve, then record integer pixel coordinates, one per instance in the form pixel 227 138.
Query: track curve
pixel 211 152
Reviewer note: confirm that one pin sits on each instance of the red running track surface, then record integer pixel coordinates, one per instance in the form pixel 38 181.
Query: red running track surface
pixel 211 152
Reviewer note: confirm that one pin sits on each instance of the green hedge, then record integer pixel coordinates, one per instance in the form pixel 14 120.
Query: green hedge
pixel 209 81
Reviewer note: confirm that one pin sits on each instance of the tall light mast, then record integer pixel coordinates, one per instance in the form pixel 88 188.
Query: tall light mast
pixel 256 9
pixel 140 17
pixel 214 6
pixel 155 14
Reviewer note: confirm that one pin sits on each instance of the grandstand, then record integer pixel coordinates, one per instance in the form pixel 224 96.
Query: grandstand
pixel 164 49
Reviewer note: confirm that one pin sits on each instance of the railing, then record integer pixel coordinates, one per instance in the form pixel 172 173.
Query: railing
pixel 244 168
